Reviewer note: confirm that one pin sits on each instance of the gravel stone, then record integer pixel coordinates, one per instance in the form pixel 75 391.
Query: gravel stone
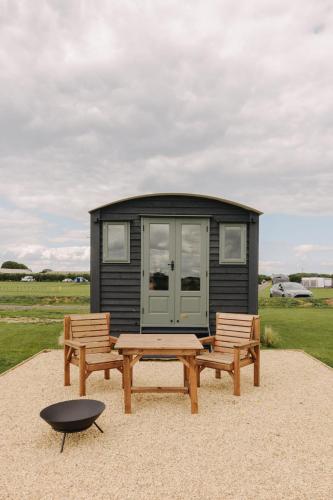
pixel 274 441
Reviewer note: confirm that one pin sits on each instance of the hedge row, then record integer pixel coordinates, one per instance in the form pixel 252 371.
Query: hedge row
pixel 42 276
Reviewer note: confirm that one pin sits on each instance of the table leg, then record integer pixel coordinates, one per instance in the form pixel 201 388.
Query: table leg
pixel 193 384
pixel 185 375
pixel 127 382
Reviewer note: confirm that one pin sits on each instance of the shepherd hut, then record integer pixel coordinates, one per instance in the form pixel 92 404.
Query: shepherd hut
pixel 168 262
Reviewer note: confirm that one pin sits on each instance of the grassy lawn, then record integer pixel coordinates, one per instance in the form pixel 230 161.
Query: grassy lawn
pixel 300 324
pixel 322 293
pixel 309 329
pixel 25 332
pixel 41 314
pixel 41 289
pixel 19 341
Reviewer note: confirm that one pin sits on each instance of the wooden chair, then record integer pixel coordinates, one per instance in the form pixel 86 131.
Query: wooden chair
pixel 88 345
pixel 235 344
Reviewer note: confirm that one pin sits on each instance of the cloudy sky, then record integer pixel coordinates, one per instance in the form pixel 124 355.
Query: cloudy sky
pixel 106 99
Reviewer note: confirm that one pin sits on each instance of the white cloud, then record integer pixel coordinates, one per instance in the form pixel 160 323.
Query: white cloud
pixel 327 264
pixel 79 235
pixel 270 266
pixel 303 250
pixel 102 101
pixel 19 227
pixel 58 258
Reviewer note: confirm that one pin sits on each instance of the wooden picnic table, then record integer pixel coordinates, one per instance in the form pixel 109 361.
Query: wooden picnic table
pixel 184 346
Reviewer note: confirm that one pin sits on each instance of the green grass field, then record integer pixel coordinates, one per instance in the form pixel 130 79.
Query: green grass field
pixel 31 316
pixel 31 319
pixel 309 329
pixel 41 289
pixel 322 293
pixel 19 341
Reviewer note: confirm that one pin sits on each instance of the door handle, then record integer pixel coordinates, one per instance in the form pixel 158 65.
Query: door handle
pixel 172 265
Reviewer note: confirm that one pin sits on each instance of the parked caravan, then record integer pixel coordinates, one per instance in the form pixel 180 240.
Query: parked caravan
pixel 279 278
pixel 317 282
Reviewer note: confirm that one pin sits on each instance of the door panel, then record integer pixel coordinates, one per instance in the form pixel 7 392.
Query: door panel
pixel 190 304
pixel 158 280
pixel 158 305
pixel 191 274
pixel 174 273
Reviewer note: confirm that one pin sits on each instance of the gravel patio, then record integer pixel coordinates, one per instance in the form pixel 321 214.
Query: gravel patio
pixel 275 441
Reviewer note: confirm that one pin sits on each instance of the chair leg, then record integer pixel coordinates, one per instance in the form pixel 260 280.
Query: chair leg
pixel 107 374
pixel 256 367
pixel 217 373
pixel 198 375
pixel 67 374
pixel 67 368
pixel 236 372
pixel 82 383
pixel 82 367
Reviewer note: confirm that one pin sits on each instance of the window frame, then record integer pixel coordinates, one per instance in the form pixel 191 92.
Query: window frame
pixel 243 258
pixel 106 257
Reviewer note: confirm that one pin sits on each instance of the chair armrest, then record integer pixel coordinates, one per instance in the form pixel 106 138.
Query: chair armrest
pixel 74 343
pixel 113 340
pixel 247 344
pixel 207 340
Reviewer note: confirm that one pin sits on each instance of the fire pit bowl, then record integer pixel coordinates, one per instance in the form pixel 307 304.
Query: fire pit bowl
pixel 71 416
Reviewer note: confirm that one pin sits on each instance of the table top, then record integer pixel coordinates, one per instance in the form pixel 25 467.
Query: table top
pixel 164 341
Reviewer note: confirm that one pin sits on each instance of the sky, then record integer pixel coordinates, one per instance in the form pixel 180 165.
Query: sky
pixel 101 100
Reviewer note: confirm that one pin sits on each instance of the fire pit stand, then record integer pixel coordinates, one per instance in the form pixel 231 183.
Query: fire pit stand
pixel 75 415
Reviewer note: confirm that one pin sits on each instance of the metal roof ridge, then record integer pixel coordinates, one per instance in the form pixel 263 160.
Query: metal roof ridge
pixel 198 195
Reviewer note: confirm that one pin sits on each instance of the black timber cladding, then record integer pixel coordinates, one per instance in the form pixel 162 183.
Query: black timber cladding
pixel 116 287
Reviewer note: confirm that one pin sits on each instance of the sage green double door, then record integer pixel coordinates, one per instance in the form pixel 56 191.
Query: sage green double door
pixel 174 287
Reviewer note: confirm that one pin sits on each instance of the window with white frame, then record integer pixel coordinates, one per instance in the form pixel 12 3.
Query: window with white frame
pixel 116 242
pixel 232 243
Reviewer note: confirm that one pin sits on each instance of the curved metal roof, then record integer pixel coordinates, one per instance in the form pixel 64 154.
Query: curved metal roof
pixel 223 200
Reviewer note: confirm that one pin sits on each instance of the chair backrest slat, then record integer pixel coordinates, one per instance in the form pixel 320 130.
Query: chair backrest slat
pixel 88 331
pixel 87 322
pixel 92 330
pixel 220 331
pixel 88 316
pixel 233 329
pixel 239 322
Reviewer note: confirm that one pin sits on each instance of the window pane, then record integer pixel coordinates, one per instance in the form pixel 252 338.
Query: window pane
pixel 116 242
pixel 159 256
pixel 191 252
pixel 233 243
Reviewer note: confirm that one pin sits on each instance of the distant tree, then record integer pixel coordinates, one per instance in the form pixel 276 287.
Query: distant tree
pixel 10 264
pixel 47 271
pixel 297 277
pixel 263 277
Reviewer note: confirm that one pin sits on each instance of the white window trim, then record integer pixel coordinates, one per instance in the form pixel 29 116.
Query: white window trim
pixel 242 258
pixel 106 257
